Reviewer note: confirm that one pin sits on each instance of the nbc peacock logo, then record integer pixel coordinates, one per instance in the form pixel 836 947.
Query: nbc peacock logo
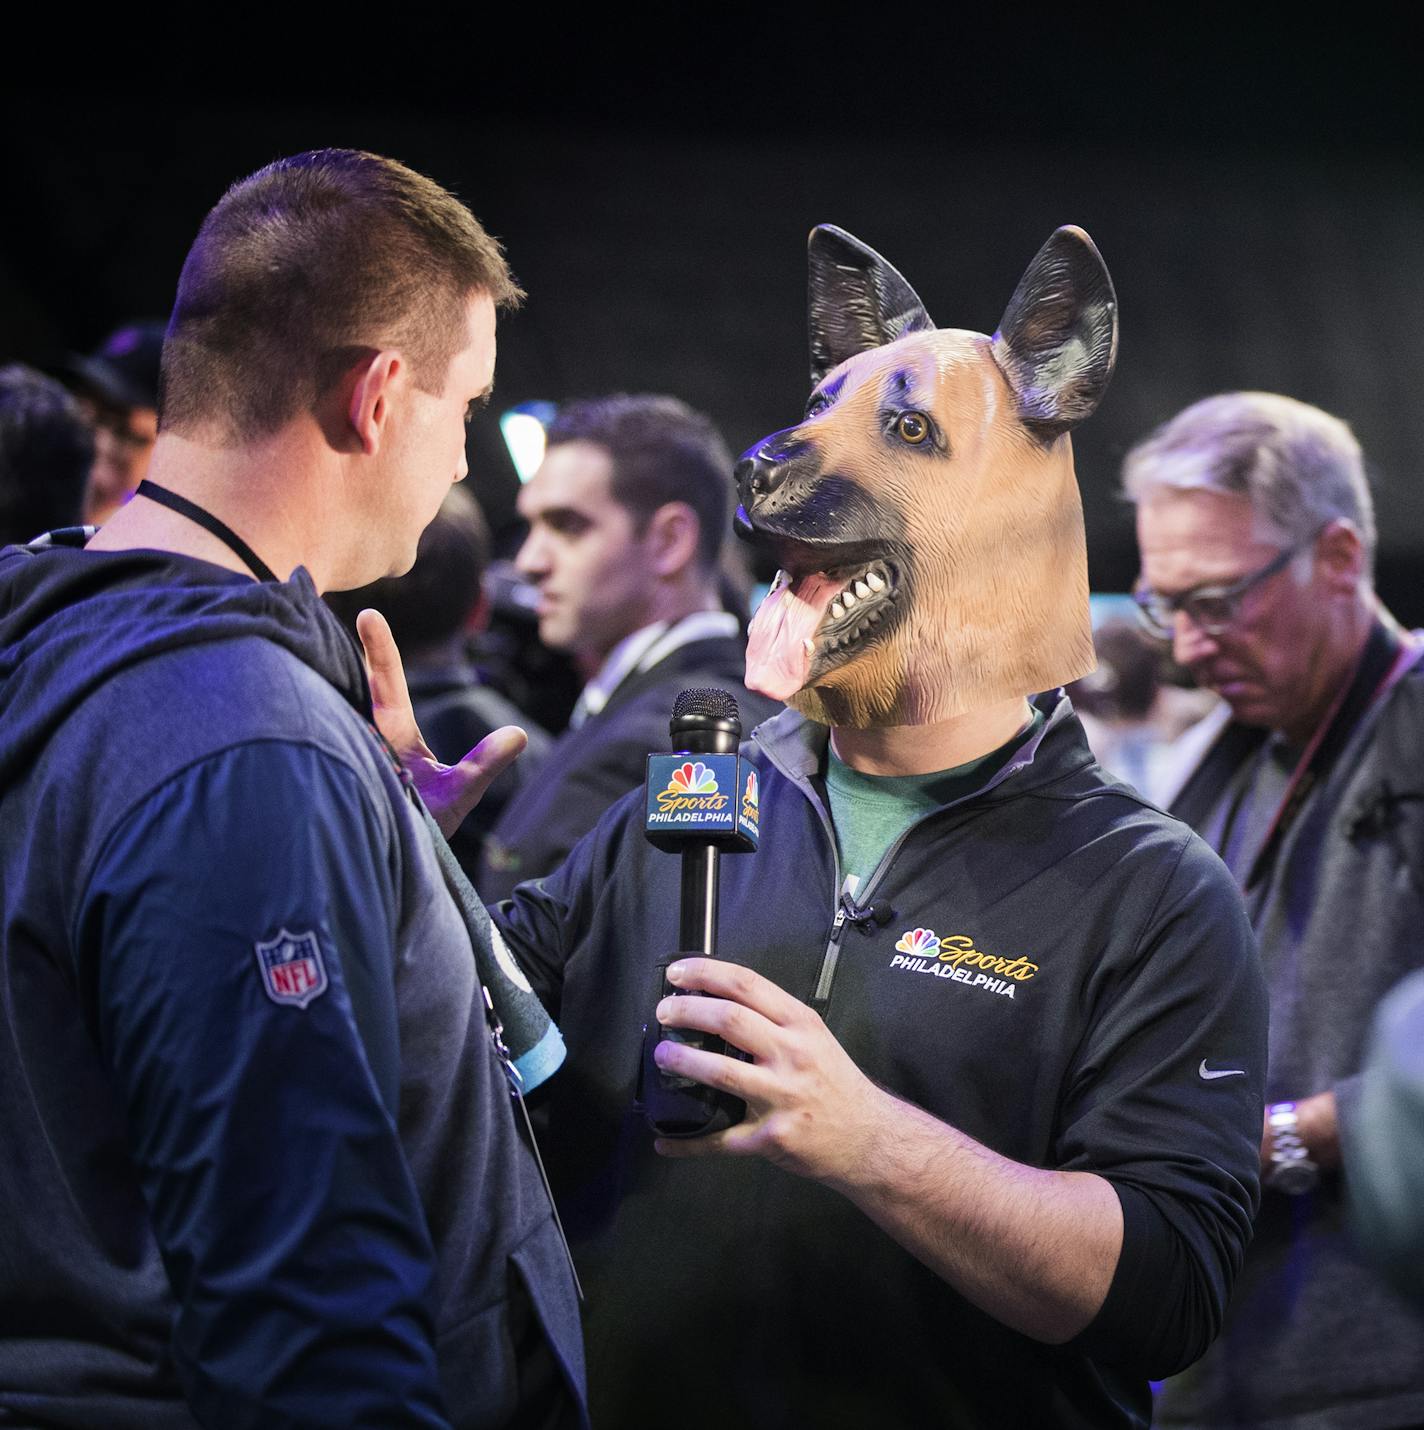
pixel 692 779
pixel 751 815
pixel 919 943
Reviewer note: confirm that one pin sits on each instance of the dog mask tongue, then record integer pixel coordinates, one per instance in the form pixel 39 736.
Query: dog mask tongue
pixel 781 638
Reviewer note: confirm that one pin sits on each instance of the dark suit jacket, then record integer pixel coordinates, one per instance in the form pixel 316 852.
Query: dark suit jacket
pixel 588 768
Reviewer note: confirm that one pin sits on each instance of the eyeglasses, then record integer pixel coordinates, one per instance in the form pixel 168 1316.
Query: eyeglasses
pixel 1211 609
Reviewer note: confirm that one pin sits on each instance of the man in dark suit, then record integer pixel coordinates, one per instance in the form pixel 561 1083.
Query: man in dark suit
pixel 627 517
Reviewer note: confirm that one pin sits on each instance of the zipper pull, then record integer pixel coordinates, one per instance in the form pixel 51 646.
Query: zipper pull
pixel 821 997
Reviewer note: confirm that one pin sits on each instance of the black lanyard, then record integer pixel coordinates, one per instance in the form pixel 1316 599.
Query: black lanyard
pixel 208 522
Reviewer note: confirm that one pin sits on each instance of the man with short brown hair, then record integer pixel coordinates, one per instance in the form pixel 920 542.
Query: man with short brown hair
pixel 265 1169
pixel 300 270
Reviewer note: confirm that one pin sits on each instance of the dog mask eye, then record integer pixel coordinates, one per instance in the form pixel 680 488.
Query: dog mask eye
pixel 912 427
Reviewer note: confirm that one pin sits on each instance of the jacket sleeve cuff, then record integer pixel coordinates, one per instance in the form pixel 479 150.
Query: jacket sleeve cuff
pixel 1151 1310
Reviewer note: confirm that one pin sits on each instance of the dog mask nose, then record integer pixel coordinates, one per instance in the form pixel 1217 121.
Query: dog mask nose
pixel 756 477
pixel 764 468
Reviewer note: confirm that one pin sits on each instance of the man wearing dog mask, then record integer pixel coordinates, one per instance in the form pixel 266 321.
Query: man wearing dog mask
pixel 1005 1034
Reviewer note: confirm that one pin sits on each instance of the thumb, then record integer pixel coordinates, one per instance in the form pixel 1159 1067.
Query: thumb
pixel 462 785
pixel 494 754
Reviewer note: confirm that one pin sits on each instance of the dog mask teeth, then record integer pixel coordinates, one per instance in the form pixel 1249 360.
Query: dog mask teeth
pixel 818 615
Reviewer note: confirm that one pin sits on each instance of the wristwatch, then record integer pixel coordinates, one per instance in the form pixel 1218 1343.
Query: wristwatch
pixel 1291 1171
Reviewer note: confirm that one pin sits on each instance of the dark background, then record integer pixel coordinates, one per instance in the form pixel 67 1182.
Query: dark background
pixel 1255 188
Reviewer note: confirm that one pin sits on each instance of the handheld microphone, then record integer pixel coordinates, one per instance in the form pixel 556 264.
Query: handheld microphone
pixel 700 808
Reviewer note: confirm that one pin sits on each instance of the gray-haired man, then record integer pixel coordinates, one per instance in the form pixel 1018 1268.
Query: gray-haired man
pixel 1257 533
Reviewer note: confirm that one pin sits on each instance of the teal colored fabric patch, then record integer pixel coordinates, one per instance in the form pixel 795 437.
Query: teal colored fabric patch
pixel 870 812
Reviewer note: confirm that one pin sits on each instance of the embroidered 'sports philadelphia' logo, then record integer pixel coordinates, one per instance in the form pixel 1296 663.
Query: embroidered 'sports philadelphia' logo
pixel 955 957
pixel 692 786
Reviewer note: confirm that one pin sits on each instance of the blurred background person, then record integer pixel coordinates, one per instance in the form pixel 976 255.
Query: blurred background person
pixel 1387 1169
pixel 117 388
pixel 435 611
pixel 46 451
pixel 628 514
pixel 1140 711
pixel 1257 533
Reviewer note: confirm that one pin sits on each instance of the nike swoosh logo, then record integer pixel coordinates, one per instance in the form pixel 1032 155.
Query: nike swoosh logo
pixel 1208 1076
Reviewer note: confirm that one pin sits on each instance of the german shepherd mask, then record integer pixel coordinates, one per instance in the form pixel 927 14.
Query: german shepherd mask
pixel 924 512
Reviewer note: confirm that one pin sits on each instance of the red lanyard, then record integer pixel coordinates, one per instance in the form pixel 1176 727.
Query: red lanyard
pixel 1345 716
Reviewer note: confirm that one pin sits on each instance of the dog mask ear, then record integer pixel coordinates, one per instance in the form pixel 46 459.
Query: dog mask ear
pixel 1057 342
pixel 855 300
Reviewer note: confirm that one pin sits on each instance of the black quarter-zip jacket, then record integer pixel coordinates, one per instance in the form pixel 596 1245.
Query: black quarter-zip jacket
pixel 1066 975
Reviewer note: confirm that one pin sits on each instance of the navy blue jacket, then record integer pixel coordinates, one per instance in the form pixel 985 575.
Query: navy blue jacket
pixel 261 1167
pixel 1060 963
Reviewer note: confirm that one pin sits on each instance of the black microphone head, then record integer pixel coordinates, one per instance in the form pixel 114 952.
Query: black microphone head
pixel 707 701
pixel 705 721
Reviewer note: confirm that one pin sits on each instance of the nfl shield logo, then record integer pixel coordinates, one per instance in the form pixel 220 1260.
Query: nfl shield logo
pixel 292 970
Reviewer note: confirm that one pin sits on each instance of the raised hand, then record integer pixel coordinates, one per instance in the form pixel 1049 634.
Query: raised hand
pixel 450 792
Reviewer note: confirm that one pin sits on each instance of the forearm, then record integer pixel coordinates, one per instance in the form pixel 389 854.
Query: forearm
pixel 1035 1249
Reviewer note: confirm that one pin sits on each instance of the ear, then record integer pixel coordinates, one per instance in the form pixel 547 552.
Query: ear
pixel 369 404
pixel 1340 554
pixel 855 300
pixel 1057 342
pixel 671 538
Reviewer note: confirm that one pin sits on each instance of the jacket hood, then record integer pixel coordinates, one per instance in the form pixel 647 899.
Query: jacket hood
pixel 70 619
